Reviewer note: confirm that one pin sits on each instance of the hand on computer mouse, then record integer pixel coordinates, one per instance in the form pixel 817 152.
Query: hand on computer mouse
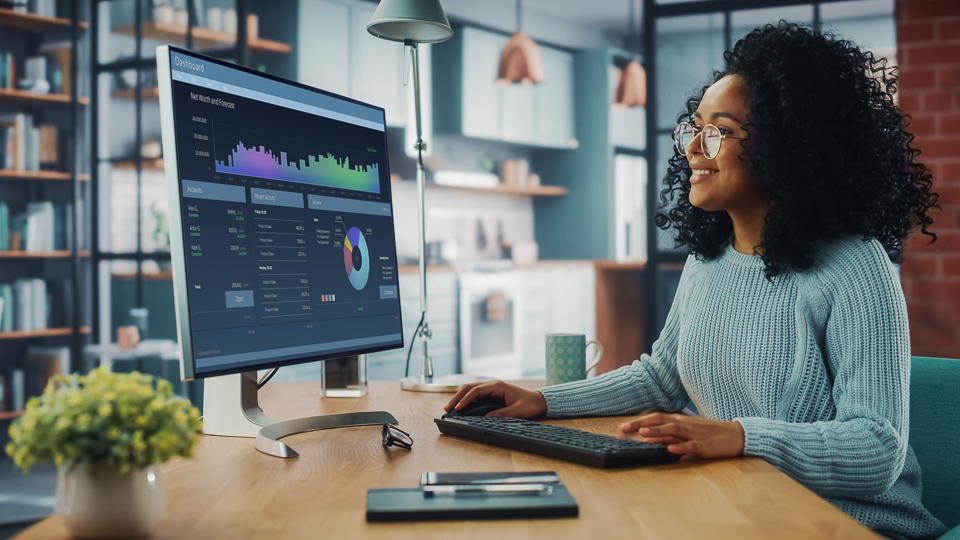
pixel 521 403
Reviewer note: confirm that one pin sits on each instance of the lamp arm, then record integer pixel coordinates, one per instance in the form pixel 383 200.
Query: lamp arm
pixel 420 147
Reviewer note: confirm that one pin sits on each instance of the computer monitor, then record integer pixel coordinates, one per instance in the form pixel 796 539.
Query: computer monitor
pixel 281 228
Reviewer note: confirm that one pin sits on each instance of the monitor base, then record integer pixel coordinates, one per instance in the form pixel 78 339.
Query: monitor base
pixel 267 437
pixel 231 409
pixel 230 406
pixel 447 383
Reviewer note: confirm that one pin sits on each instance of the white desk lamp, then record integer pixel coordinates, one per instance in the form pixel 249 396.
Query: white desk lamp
pixel 412 22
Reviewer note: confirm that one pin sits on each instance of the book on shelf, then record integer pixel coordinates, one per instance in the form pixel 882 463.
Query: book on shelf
pixel 43 227
pixel 26 305
pixel 26 147
pixel 6 319
pixel 8 70
pixel 15 387
pixel 4 227
pixel 26 378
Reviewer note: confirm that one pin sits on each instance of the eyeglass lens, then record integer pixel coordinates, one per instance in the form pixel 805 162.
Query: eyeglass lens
pixel 709 139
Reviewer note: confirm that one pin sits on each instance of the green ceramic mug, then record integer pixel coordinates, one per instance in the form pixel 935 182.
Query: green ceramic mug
pixel 565 358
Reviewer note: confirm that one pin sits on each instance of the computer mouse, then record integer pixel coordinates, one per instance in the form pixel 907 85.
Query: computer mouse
pixel 478 407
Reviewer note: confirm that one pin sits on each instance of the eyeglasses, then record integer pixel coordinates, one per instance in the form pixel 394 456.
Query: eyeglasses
pixel 393 436
pixel 710 138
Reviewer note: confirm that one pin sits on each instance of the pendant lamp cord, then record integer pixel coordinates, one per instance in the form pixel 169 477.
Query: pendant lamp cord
pixel 519 11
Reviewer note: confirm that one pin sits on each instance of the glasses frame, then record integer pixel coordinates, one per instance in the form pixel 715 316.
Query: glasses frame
pixel 697 132
pixel 394 436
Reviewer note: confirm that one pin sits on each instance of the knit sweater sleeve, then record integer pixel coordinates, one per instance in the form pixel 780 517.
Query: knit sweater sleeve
pixel 862 451
pixel 652 382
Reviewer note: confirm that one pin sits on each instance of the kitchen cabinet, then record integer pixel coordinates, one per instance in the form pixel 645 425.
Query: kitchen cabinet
pixel 481 96
pixel 557 298
pixel 468 101
pixel 442 302
pixel 555 99
pixel 339 55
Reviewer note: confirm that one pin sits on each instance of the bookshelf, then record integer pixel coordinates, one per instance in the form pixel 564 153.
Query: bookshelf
pixel 58 311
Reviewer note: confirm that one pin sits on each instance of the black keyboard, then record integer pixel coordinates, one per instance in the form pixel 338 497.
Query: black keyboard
pixel 555 441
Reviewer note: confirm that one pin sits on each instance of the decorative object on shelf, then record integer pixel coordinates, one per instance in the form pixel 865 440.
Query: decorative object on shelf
pixel 632 88
pixel 230 21
pixel 520 61
pixel 164 13
pixel 128 337
pixel 215 19
pixel 253 26
pixel 105 432
pixel 139 318
pixel 412 22
pixel 181 17
pixel 150 149
pixel 36 75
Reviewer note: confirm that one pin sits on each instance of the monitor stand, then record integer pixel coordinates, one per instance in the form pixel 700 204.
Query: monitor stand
pixel 231 408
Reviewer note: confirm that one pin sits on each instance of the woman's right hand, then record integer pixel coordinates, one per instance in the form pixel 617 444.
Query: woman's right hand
pixel 521 403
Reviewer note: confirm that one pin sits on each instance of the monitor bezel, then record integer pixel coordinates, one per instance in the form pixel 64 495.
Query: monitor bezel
pixel 188 370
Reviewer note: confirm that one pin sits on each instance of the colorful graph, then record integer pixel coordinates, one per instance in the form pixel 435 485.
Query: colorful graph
pixel 356 258
pixel 319 170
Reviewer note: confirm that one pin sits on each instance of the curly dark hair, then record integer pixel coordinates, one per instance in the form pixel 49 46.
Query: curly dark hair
pixel 828 146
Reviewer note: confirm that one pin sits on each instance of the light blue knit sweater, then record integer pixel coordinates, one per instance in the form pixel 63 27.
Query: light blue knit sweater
pixel 814 365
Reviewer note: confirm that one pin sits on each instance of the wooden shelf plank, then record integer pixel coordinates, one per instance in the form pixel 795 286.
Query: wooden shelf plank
pixel 31 21
pixel 9 415
pixel 40 254
pixel 148 164
pixel 147 94
pixel 203 38
pixel 6 174
pixel 49 332
pixel 25 96
pixel 553 191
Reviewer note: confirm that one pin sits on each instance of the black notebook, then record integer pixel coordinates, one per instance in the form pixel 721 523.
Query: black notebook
pixel 412 504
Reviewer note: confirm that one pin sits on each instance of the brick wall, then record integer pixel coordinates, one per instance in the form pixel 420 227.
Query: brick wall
pixel 928 35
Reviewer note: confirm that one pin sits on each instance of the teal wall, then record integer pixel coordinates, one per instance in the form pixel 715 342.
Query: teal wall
pixel 579 225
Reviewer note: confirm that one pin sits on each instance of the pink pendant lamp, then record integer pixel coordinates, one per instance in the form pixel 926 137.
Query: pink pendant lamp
pixel 520 61
pixel 632 88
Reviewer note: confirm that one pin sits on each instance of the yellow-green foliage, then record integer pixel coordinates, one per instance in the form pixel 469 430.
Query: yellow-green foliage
pixel 120 420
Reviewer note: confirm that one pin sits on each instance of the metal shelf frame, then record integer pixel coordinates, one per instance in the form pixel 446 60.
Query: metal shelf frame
pixel 240 52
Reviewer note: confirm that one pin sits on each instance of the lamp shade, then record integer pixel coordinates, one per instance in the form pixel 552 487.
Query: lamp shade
pixel 419 21
pixel 520 61
pixel 632 90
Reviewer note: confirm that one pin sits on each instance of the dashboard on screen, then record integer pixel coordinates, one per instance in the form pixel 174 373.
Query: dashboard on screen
pixel 288 243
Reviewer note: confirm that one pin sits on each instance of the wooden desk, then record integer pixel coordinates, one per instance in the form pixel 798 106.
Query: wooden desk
pixel 230 490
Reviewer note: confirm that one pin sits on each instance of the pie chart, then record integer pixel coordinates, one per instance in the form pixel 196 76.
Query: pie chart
pixel 356 258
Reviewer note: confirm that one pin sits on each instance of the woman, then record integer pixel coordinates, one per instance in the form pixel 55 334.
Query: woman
pixel 789 329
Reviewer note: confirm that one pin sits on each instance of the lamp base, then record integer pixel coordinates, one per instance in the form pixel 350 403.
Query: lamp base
pixel 447 383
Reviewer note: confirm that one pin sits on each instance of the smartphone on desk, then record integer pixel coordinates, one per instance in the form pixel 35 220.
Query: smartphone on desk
pixel 448 479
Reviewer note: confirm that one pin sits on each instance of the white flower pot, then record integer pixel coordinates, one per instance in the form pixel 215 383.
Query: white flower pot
pixel 100 503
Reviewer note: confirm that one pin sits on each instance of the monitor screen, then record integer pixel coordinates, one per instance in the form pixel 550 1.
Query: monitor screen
pixel 285 251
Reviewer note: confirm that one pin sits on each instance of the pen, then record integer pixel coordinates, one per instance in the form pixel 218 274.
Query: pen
pixel 505 489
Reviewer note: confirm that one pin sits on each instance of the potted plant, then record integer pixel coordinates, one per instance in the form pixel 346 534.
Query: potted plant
pixel 106 433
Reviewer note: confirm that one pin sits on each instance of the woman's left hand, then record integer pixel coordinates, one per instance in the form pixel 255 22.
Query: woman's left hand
pixel 689 434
